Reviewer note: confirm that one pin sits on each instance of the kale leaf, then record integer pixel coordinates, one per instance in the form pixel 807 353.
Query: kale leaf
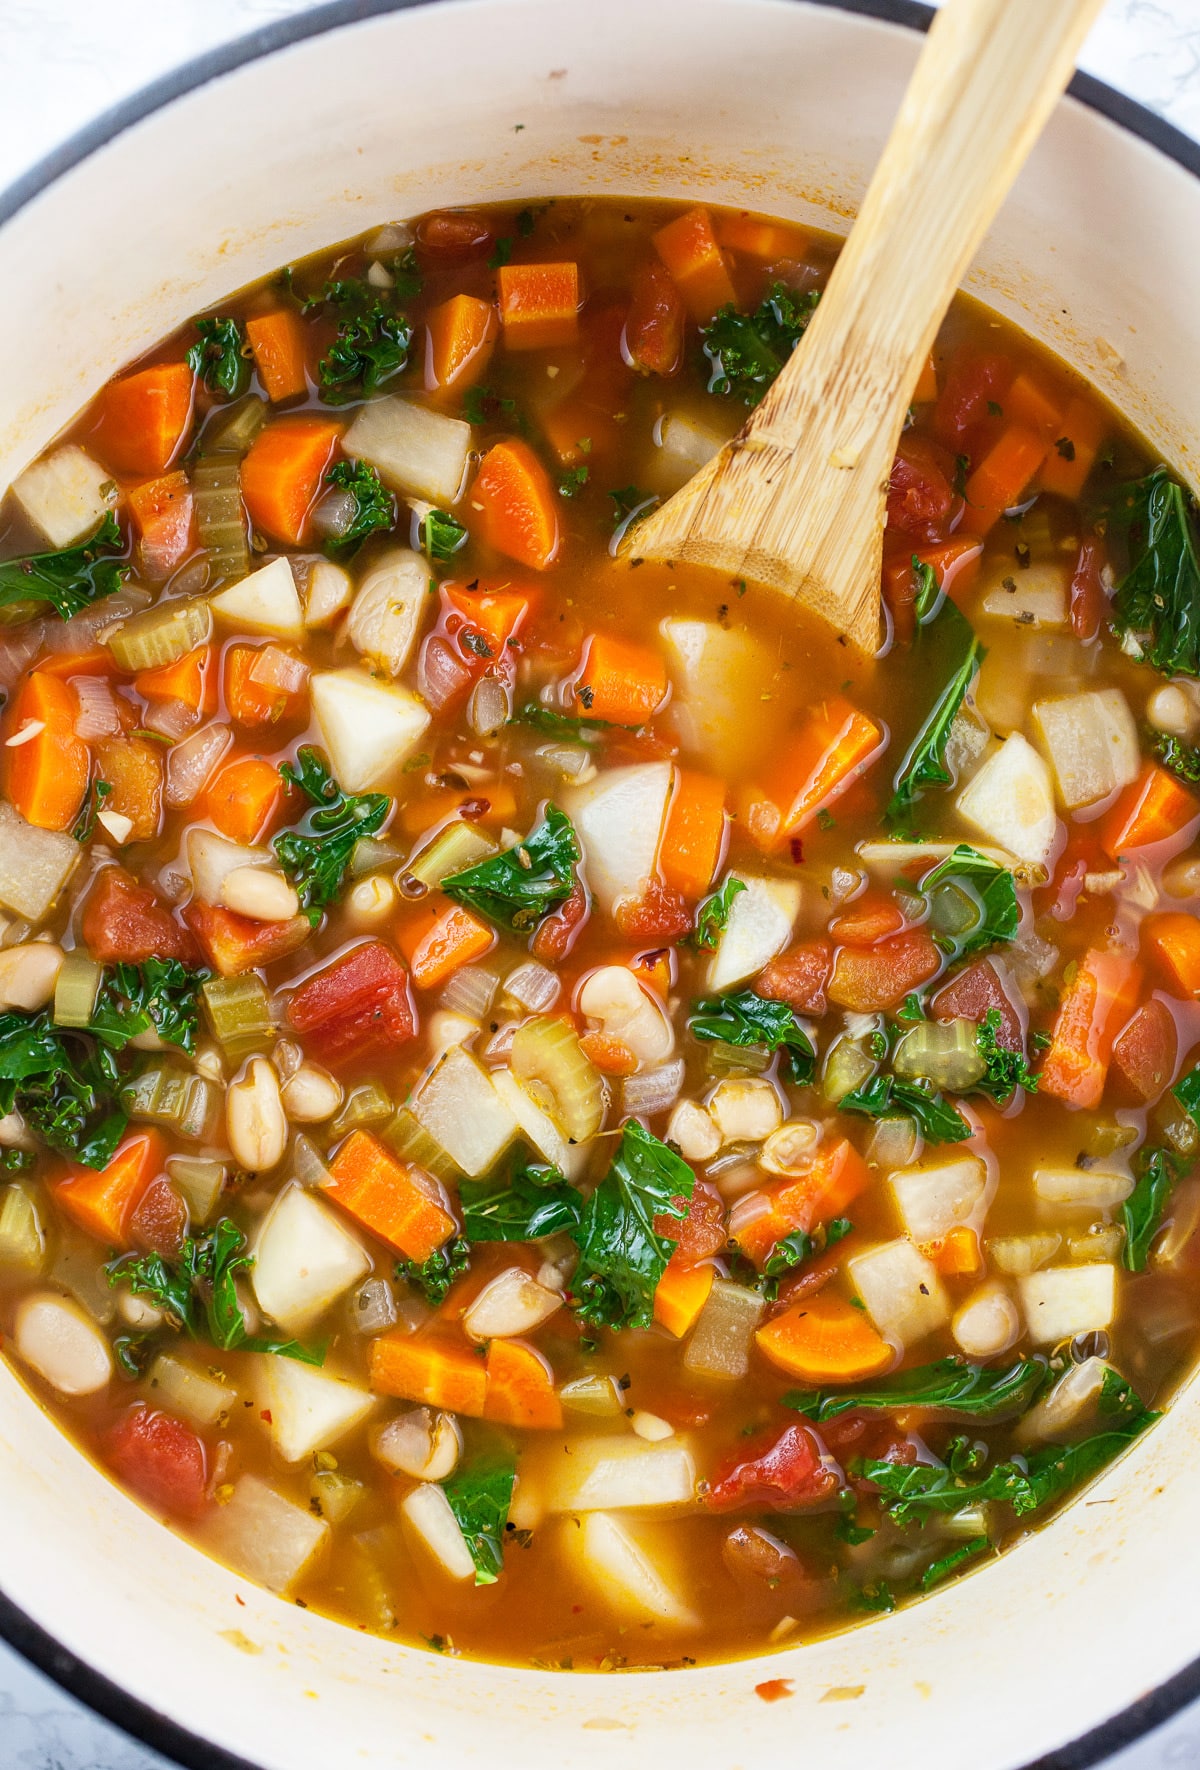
pixel 621 1254
pixel 942 1568
pixel 219 357
pixel 744 1018
pixel 893 1097
pixel 159 995
pixel 1006 1070
pixel 315 858
pixel 712 917
pixel 371 345
pixel 1159 597
pixel 535 1200
pixel 64 1084
pixel 747 350
pixel 434 1276
pixel 588 732
pixel 951 1386
pixel 968 882
pixel 480 1496
pixel 441 535
pixel 521 885
pixel 793 1250
pixel 93 800
pixel 1142 1212
pixel 1180 759
pixel 374 506
pixel 198 1291
pixel 924 763
pixel 71 579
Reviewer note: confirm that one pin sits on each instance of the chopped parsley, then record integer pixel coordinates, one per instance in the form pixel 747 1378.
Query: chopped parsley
pixel 747 350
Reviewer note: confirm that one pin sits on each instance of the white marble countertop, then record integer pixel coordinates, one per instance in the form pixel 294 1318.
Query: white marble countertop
pixel 63 62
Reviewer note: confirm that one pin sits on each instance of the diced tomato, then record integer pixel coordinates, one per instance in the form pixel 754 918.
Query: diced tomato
pixel 702 1232
pixel 1146 1051
pixel 125 923
pixel 972 993
pixel 1089 598
pixel 652 341
pixel 867 1435
pixel 866 979
pixel 233 944
pixel 659 914
pixel 451 234
pixel 1081 856
pixel 558 932
pixel 974 380
pixel 160 1221
pixel 782 1474
pixel 920 497
pixel 358 1005
pixel 161 1458
pixel 799 977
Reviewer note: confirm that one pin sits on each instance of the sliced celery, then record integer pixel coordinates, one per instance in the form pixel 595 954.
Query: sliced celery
pixel 239 1012
pixel 723 1059
pixel 168 1095
pixel 220 516
pixel 231 430
pixel 201 1182
pixel 161 634
pixel 334 1496
pixel 365 1106
pixel 547 1054
pixel 22 1238
pixel 458 846
pixel 944 1052
pixel 413 1142
pixel 76 990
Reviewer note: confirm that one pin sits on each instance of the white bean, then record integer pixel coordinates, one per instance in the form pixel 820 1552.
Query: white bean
pixel 260 893
pixel 513 1303
pixel 988 1322
pixel 747 1111
pixel 311 1095
pixel 791 1148
pixel 372 901
pixel 256 1126
pixel 613 996
pixel 1173 708
pixel 691 1128
pixel 28 974
pixel 54 1336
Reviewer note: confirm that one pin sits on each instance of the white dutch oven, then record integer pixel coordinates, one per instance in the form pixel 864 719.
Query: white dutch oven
pixel 366 111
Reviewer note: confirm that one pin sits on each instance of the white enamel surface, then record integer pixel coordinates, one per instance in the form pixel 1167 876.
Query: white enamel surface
pixel 282 158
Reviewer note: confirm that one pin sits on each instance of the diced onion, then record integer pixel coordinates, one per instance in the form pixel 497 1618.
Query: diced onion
pixel 470 991
pixel 440 674
pixel 19 649
pixel 373 1307
pixel 489 706
pixel 190 763
pixel 170 719
pixel 335 513
pixel 654 1090
pixel 533 985
pixel 80 632
pixel 98 716
pixel 571 760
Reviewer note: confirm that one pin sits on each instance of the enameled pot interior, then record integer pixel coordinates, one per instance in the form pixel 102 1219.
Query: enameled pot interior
pixel 776 105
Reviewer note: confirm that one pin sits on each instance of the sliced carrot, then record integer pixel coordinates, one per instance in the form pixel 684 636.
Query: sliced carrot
pixel 1095 1006
pixel 1035 403
pixel 759 238
pixel 278 341
pixel 283 472
pixel 1171 943
pixel 680 1295
pixel 1084 427
pixel 609 1054
pixel 102 1201
pixel 493 616
pixel 432 1369
pixel 513 492
pixel 955 563
pixel 958 1254
pixel 688 247
pixel 451 938
pixel 520 1387
pixel 1154 808
pixel 245 798
pixel 233 944
pixel 496 803
pixel 162 514
pixel 461 334
pixel 1001 477
pixel 837 1175
pixel 391 1198
pixel 831 751
pixel 144 419
pixel 265 684
pixel 133 768
pixel 619 680
pixel 653 337
pixel 47 774
pixel 191 679
pixel 825 1339
pixel 539 305
pixel 694 838
pixel 98 661
pixel 926 389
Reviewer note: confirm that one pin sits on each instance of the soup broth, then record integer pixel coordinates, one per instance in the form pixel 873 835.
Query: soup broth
pixel 554 1109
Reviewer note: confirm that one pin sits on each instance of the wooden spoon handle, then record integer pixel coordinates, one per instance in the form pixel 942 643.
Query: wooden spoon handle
pixel 987 79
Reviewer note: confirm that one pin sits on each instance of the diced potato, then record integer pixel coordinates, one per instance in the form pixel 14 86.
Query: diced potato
pixel 1092 742
pixel 211 859
pixel 328 593
pixel 1011 801
pixel 619 817
pixel 612 1473
pixel 461 1110
pixel 370 728
pixel 34 864
pixel 66 495
pixel 415 450
pixel 264 1536
pixel 265 602
pixel 719 675
pixel 721 1339
pixel 760 925
pixel 1033 596
pixel 627 1571
pixel 1090 1188
pixel 304 1260
pixel 187 1390
pixel 685 445
pixel 893 858
pixel 1068 1410
pixel 540 1129
pixel 386 615
pixel 903 1294
pixel 309 1409
pixel 430 1519
pixel 934 1198
pixel 1063 1301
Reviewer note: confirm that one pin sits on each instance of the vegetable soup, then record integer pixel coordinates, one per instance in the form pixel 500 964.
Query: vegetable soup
pixel 551 1108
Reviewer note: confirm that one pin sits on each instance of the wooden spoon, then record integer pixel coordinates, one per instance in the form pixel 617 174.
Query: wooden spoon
pixel 796 500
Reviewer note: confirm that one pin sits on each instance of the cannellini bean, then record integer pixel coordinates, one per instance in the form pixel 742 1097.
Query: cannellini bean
pixel 791 1148
pixel 14 1132
pixel 137 1313
pixel 260 893
pixel 613 996
pixel 54 1337
pixel 1174 708
pixel 447 1029
pixel 692 1129
pixel 746 1111
pixel 988 1322
pixel 420 1443
pixel 652 1427
pixel 311 1095
pixel 1181 878
pixel 28 974
pixel 372 901
pixel 513 1303
pixel 256 1126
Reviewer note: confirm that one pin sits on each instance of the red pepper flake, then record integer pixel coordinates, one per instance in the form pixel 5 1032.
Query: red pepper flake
pixel 796 848
pixel 774 1689
pixel 265 1415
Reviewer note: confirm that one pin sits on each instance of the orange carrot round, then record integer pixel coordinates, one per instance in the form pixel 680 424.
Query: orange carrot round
pixel 824 1339
pixel 513 491
pixel 47 773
